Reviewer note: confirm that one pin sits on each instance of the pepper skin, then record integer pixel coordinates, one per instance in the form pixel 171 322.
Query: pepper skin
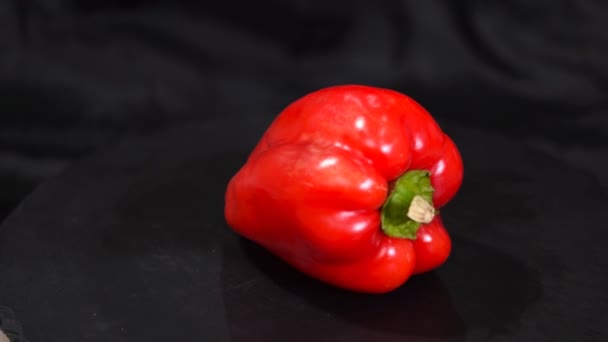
pixel 344 186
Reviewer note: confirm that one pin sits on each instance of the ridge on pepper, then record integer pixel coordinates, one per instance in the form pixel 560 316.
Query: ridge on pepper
pixel 345 186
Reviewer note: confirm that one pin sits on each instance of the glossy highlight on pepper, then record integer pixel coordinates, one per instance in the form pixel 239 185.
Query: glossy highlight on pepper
pixel 344 186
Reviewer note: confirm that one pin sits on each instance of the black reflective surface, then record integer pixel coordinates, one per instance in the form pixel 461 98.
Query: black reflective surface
pixel 130 245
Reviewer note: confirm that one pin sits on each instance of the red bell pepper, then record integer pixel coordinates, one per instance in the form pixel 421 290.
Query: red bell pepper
pixel 344 186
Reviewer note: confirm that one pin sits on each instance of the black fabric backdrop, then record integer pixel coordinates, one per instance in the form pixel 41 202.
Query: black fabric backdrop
pixel 76 75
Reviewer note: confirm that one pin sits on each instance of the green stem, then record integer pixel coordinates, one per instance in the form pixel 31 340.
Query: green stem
pixel 408 205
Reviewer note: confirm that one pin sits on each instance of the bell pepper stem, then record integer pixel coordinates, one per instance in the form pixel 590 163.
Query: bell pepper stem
pixel 421 210
pixel 408 205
